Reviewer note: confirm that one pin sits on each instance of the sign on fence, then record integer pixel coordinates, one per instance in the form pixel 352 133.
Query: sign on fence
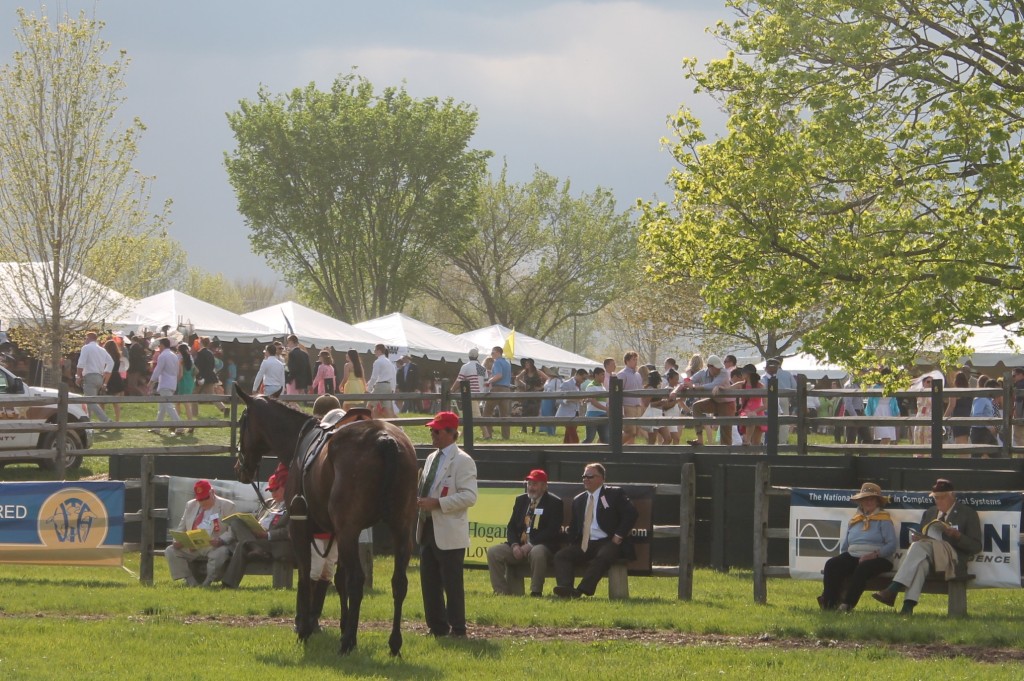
pixel 62 523
pixel 818 519
pixel 488 518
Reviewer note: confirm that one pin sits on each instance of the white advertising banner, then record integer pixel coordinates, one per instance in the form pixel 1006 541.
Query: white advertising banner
pixel 818 519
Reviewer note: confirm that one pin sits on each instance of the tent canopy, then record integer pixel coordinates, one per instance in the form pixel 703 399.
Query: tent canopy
pixel 994 346
pixel 84 302
pixel 191 315
pixel 811 367
pixel 314 328
pixel 403 334
pixel 543 354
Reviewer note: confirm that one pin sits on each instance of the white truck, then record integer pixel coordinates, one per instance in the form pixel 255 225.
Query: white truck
pixel 19 443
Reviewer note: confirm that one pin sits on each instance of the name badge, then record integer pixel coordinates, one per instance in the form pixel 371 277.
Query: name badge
pixel 538 511
pixel 604 502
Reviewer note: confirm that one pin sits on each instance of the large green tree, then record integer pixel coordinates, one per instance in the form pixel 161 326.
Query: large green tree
pixel 67 185
pixel 354 196
pixel 872 167
pixel 538 256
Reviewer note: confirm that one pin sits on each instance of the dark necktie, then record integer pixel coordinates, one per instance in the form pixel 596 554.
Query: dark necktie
pixel 528 522
pixel 428 481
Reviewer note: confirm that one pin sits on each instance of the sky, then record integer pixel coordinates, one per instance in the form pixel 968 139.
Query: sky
pixel 580 89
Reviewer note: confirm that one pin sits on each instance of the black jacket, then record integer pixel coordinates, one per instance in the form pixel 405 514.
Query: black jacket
pixel 299 369
pixel 545 525
pixel 410 383
pixel 617 516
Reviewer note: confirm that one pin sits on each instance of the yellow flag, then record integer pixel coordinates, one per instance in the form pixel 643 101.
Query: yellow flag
pixel 509 351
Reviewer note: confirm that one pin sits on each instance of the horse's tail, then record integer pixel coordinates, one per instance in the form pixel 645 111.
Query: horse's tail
pixel 387 448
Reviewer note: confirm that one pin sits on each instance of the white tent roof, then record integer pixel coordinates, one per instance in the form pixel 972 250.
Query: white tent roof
pixel 314 328
pixel 994 345
pixel 404 334
pixel 85 301
pixel 190 314
pixel 543 354
pixel 810 366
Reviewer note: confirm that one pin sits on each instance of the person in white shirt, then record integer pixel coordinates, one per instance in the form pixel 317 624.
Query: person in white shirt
pixel 271 373
pixel 382 381
pixel 165 379
pixel 94 368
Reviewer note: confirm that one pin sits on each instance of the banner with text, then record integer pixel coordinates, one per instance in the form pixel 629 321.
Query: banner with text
pixel 62 523
pixel 818 519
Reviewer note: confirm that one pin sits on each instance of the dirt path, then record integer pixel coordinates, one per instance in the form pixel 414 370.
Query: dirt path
pixel 590 635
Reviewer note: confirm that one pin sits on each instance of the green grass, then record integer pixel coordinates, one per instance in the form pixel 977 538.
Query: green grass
pixel 102 623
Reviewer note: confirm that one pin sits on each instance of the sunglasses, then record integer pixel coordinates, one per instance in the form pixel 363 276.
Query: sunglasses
pixel 588 477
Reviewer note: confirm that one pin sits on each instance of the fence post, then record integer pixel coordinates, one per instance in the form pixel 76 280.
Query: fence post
pixel 761 482
pixel 61 438
pixel 801 415
pixel 687 520
pixel 772 443
pixel 719 563
pixel 1007 415
pixel 148 533
pixel 466 403
pixel 446 394
pixel 937 409
pixel 234 420
pixel 615 415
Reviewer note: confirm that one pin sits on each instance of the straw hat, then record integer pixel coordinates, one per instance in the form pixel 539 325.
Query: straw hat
pixel 870 489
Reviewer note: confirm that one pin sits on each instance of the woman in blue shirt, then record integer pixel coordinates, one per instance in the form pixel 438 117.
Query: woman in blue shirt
pixel 866 551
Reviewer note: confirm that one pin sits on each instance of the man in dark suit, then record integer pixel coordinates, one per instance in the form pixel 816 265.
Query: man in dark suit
pixel 533 536
pixel 408 381
pixel 945 547
pixel 602 519
pixel 300 371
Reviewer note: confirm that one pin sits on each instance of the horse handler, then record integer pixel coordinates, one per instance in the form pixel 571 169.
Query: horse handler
pixel 447 488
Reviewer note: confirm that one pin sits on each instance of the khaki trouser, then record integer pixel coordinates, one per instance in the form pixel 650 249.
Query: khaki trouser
pixel 499 557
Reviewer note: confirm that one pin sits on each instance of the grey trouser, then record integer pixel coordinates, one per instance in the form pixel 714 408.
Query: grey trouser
pixel 178 561
pixel 91 384
pixel 915 568
pixel 500 555
pixel 166 408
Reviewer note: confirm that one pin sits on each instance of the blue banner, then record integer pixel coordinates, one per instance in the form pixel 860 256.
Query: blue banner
pixel 66 523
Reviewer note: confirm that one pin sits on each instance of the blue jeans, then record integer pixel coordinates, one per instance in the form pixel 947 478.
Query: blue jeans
pixel 547 408
pixel 599 432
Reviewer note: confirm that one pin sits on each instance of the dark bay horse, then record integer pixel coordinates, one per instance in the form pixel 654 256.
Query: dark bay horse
pixel 365 473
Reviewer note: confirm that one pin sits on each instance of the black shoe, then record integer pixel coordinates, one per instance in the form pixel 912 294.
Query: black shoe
pixel 437 634
pixel 885 597
pixel 536 594
pixel 908 607
pixel 576 593
pixel 563 591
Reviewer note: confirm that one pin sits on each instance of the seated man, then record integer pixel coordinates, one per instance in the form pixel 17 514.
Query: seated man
pixel 272 543
pixel 534 534
pixel 602 519
pixel 960 539
pixel 204 512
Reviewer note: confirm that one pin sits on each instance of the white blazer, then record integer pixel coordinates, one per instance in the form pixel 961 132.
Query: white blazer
pixel 455 486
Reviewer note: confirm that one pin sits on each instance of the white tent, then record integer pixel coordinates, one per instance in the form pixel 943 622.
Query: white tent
pixel 994 346
pixel 404 334
pixel 314 328
pixel 543 354
pixel 86 302
pixel 811 367
pixel 191 315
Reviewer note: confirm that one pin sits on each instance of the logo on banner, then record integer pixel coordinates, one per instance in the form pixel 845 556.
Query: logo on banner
pixel 817 538
pixel 72 517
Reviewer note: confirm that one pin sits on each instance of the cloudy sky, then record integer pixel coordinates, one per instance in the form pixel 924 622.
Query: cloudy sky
pixel 578 88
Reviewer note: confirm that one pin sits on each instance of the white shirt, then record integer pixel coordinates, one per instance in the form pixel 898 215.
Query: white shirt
pixel 165 373
pixel 595 530
pixel 472 372
pixel 383 372
pixel 95 360
pixel 271 373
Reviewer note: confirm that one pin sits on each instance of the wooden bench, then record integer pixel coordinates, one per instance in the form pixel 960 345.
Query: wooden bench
pixel 281 570
pixel 935 583
pixel 617 578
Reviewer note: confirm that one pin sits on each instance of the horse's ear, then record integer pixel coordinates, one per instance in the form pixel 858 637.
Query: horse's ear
pixel 276 394
pixel 246 397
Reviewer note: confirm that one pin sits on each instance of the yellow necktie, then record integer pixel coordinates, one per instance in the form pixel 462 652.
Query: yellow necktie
pixel 588 520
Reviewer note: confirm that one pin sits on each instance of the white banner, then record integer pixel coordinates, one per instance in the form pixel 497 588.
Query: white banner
pixel 818 519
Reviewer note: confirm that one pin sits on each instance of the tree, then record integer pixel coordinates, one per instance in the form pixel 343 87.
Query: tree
pixel 139 265
pixel 354 196
pixel 872 168
pixel 537 257
pixel 68 185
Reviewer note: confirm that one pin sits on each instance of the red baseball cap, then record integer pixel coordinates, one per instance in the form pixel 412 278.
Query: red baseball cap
pixel 445 420
pixel 277 480
pixel 537 475
pixel 202 490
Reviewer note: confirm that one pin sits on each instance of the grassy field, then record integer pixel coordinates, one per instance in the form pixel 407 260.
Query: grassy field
pixel 100 623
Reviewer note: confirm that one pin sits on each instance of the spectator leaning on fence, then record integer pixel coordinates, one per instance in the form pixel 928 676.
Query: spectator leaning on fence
pixel 631 406
pixel 985 406
pixel 714 378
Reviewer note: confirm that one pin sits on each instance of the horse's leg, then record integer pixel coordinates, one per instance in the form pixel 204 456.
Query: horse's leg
pixel 339 585
pixel 401 535
pixel 352 573
pixel 301 545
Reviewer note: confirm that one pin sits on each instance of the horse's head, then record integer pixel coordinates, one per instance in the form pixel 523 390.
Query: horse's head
pixel 253 443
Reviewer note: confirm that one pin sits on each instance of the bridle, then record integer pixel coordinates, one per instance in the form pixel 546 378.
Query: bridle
pixel 240 459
